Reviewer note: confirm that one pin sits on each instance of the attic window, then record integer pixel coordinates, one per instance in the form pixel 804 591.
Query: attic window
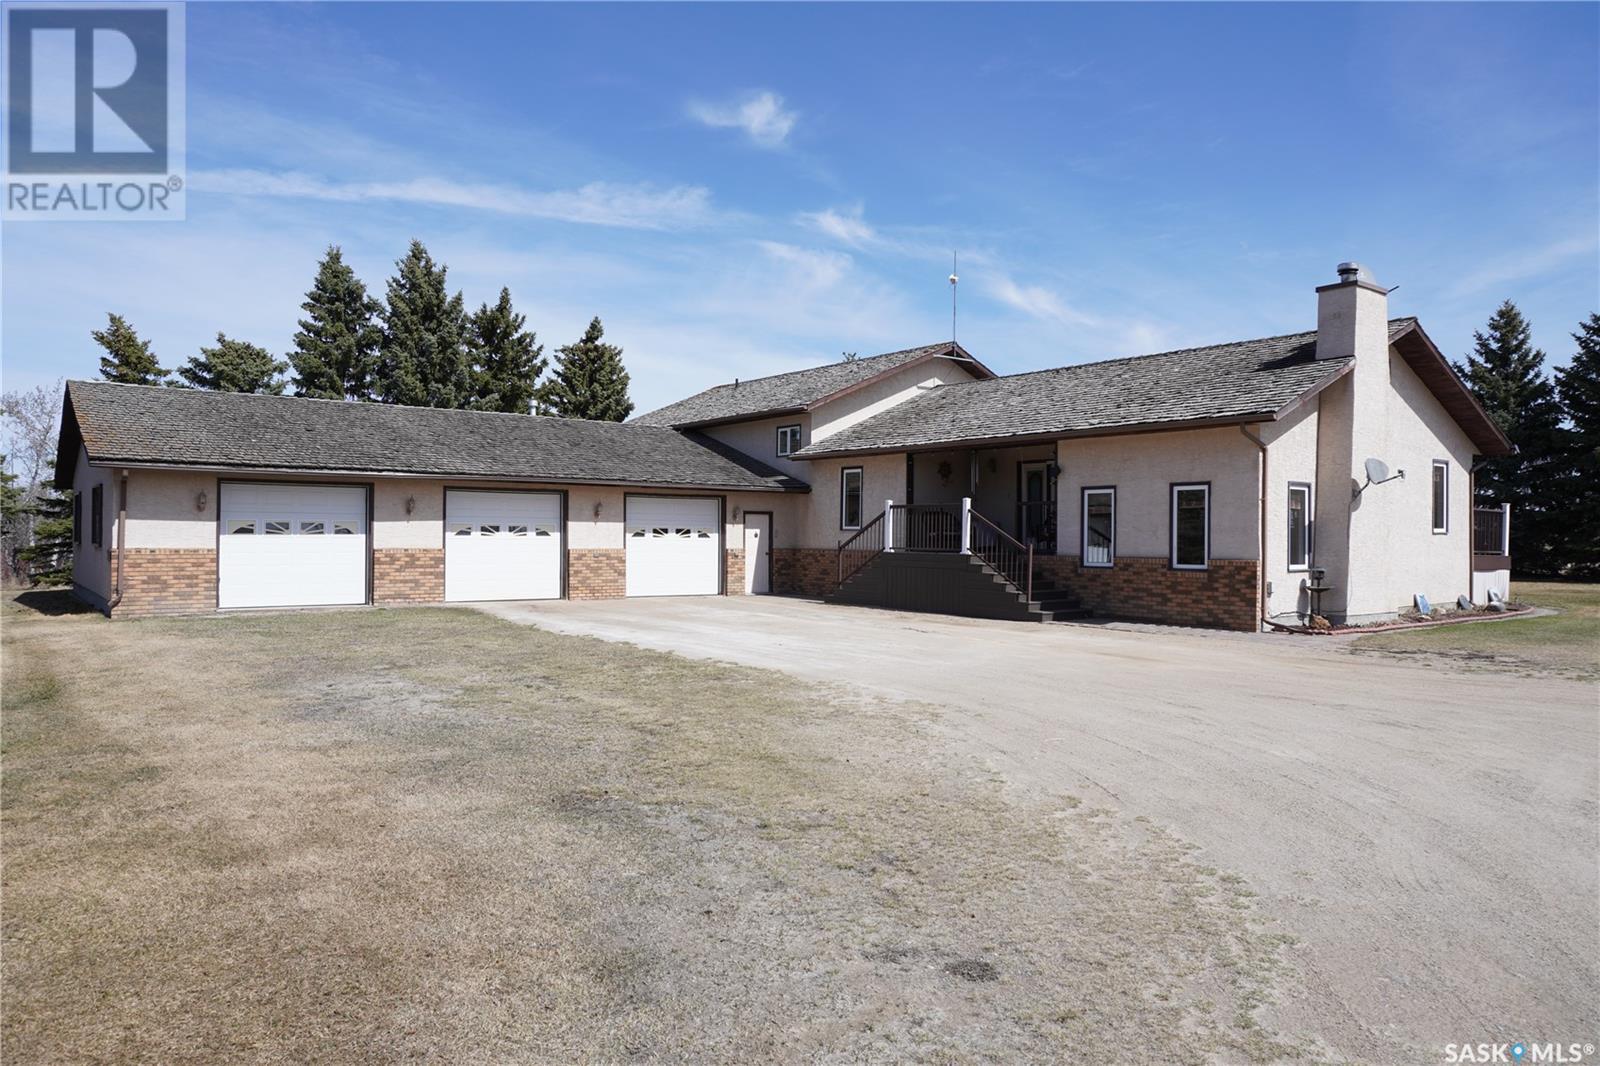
pixel 788 440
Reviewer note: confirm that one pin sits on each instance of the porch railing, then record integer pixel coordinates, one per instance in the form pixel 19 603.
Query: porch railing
pixel 1005 553
pixel 925 527
pixel 1491 530
pixel 865 545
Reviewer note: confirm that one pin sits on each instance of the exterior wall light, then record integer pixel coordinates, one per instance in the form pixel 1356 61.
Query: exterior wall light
pixel 200 500
pixel 597 508
pixel 411 504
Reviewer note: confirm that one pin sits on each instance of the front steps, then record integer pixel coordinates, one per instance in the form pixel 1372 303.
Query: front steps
pixel 949 583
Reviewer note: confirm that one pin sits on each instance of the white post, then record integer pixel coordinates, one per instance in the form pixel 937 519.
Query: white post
pixel 1505 529
pixel 888 525
pixel 966 525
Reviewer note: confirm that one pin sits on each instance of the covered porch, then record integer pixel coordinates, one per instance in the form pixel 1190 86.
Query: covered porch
pixel 1013 489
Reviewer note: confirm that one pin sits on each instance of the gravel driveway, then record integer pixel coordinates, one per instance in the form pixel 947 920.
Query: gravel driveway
pixel 1430 837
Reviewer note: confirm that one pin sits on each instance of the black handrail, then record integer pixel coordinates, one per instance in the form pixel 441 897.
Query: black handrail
pixel 853 556
pixel 1488 531
pixel 925 527
pixel 1008 555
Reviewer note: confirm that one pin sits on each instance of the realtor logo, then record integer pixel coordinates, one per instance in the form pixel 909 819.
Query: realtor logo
pixel 94 112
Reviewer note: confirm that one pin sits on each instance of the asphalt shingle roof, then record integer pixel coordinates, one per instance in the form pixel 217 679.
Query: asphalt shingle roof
pixel 1222 381
pixel 140 425
pixel 781 393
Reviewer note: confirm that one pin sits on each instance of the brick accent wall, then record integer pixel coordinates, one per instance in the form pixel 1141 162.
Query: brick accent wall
pixel 407 575
pixel 733 571
pixel 161 581
pixel 805 571
pixel 1148 590
pixel 596 573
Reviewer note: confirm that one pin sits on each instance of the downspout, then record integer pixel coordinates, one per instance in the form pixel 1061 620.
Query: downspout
pixel 1261 581
pixel 122 543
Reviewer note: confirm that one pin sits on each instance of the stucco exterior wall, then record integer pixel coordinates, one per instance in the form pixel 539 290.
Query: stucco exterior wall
pixel 759 440
pixel 1291 457
pixel 91 565
pixel 163 511
pixel 1143 467
pixel 883 394
pixel 817 524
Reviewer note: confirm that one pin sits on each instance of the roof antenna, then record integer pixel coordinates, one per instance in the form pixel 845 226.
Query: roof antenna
pixel 953 280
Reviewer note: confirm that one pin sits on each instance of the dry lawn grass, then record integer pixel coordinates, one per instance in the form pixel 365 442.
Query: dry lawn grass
pixel 1566 644
pixel 431 835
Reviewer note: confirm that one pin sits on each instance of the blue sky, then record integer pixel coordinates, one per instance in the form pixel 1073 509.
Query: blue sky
pixel 740 190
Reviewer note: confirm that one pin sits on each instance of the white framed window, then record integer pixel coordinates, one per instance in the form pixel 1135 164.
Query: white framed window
pixel 241 527
pixel 1441 495
pixel 460 529
pixel 1299 525
pixel 277 527
pixel 345 529
pixel 788 440
pixel 850 480
pixel 313 526
pixel 1191 526
pixel 1100 526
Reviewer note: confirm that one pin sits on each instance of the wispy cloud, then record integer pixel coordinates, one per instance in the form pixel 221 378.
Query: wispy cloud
pixel 813 268
pixel 847 227
pixel 1036 300
pixel 598 203
pixel 1529 263
pixel 761 115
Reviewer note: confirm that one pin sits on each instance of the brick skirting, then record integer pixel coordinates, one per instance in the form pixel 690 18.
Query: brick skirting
pixel 733 572
pixel 407 575
pixel 1149 590
pixel 805 571
pixel 160 581
pixel 597 573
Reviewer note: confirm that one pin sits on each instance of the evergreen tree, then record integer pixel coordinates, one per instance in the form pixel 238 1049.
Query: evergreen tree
pixel 1506 373
pixel 49 557
pixel 1579 386
pixel 15 512
pixel 234 366
pixel 338 340
pixel 506 359
pixel 128 360
pixel 590 380
pixel 422 360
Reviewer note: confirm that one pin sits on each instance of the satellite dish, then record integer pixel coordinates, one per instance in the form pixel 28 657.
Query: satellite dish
pixel 1377 470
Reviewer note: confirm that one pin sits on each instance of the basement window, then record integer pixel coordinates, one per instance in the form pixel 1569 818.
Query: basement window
pixel 1100 527
pixel 850 479
pixel 1441 495
pixel 1299 525
pixel 1191 526
pixel 788 440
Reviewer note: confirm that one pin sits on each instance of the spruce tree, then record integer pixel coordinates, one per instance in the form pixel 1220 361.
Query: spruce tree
pixel 1506 373
pixel 15 519
pixel 590 380
pixel 1579 386
pixel 49 558
pixel 506 359
pixel 128 360
pixel 234 366
pixel 338 340
pixel 422 359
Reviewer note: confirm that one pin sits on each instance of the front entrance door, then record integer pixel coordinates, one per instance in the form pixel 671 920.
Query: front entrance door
pixel 757 553
pixel 1036 505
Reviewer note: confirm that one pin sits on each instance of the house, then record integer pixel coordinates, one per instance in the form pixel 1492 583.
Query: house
pixel 1214 486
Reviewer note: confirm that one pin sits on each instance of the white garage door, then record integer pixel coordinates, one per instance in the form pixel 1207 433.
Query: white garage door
pixel 291 545
pixel 502 545
pixel 672 546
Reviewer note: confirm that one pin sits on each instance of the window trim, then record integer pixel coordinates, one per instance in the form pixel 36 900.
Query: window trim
pixel 97 516
pixel 796 446
pixel 1172 524
pixel 861 490
pixel 1083 527
pixel 1299 486
pixel 1444 487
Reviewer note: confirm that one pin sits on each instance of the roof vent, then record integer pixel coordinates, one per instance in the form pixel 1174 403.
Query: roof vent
pixel 1353 272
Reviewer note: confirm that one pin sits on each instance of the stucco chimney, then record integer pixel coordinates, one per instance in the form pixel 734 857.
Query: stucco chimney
pixel 1352 315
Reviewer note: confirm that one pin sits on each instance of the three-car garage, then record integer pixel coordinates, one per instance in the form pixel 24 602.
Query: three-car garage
pixel 301 544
